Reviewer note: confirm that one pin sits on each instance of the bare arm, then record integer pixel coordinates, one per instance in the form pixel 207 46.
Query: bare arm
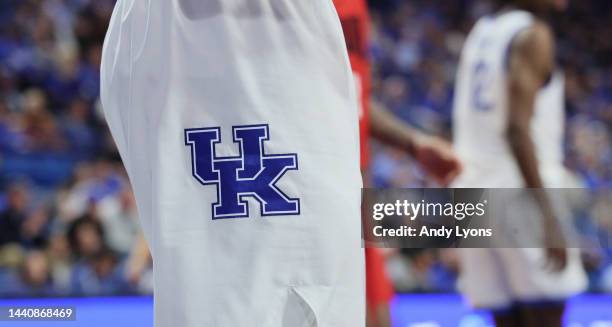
pixel 388 129
pixel 531 64
pixel 434 154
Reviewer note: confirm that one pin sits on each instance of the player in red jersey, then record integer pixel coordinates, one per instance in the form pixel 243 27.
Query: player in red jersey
pixel 355 24
pixel 434 154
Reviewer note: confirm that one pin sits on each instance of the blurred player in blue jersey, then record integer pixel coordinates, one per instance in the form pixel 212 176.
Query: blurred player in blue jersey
pixel 508 132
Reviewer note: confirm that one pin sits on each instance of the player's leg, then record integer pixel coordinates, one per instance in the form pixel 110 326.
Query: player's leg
pixel 378 315
pixel 379 290
pixel 542 314
pixel 507 318
pixel 541 293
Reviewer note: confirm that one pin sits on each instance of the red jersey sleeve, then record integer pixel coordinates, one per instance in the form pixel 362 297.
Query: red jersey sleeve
pixel 355 24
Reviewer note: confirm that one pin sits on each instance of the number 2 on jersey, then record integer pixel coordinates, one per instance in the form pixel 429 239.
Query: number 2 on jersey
pixel 481 79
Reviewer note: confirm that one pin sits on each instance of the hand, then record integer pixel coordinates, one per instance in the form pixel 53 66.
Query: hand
pixel 555 246
pixel 556 259
pixel 133 273
pixel 437 158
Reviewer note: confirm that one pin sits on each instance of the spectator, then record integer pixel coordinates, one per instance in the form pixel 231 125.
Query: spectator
pixel 119 218
pixel 32 279
pixel 86 237
pixel 12 217
pixel 100 275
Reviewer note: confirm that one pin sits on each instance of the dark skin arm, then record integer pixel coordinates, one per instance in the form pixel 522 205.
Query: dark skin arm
pixel 434 154
pixel 531 64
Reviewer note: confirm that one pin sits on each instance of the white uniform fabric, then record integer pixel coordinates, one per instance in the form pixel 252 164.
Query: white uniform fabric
pixel 174 68
pixel 480 109
pixel 499 277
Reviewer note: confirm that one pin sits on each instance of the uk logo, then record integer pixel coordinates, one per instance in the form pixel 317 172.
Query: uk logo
pixel 251 174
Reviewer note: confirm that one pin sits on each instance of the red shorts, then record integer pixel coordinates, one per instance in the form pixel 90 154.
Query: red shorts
pixel 378 285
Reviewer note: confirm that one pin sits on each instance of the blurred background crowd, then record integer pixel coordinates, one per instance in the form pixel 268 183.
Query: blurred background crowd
pixel 67 214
